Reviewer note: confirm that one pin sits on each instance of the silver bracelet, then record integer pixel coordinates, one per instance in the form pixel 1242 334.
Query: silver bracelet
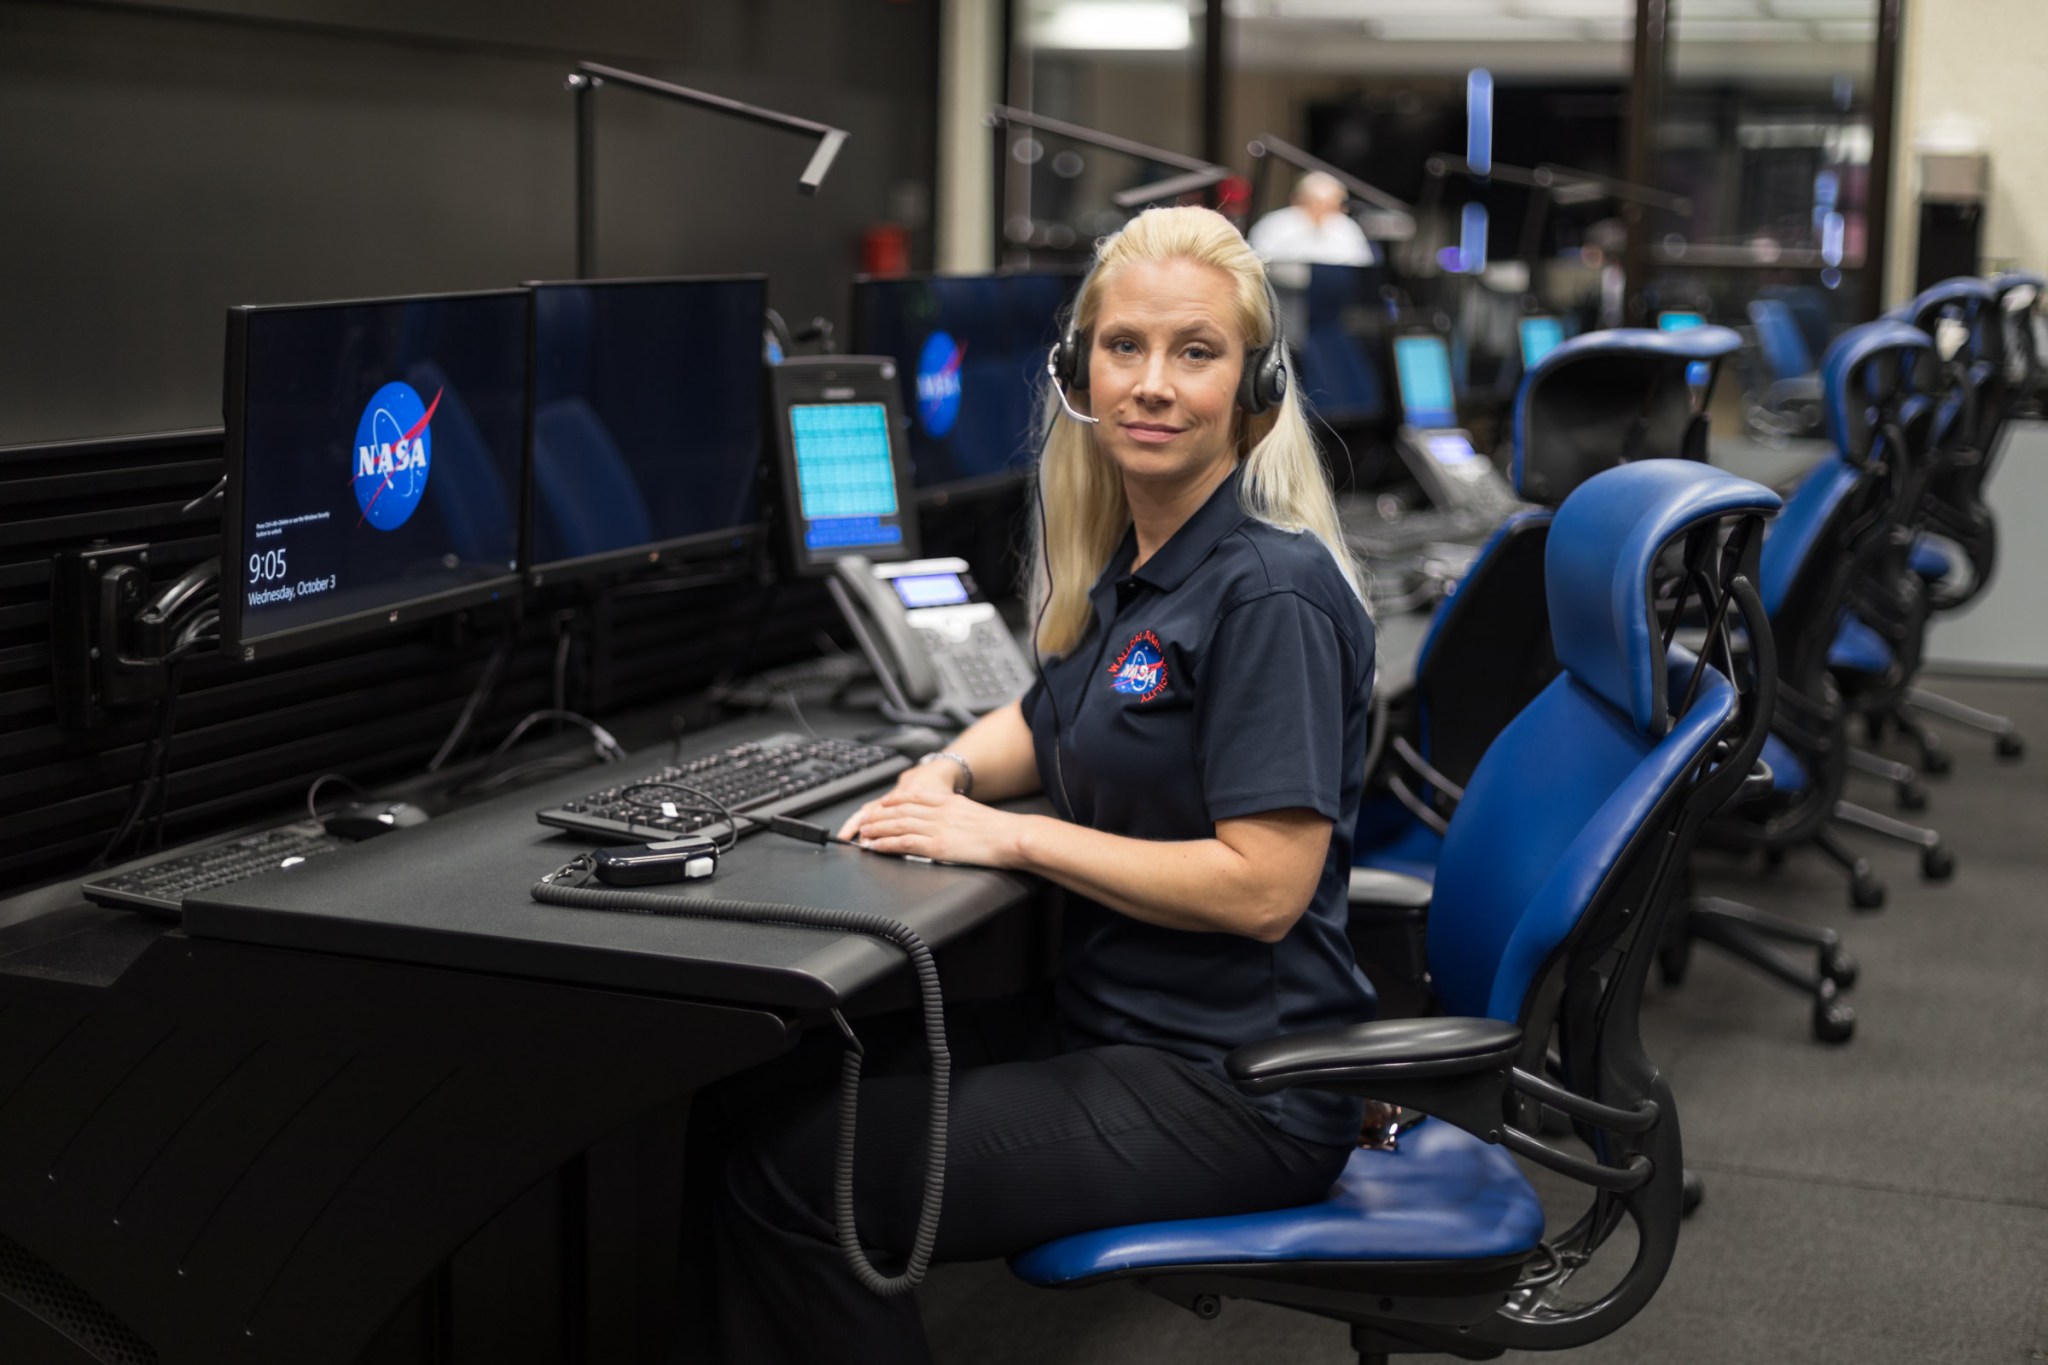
pixel 965 786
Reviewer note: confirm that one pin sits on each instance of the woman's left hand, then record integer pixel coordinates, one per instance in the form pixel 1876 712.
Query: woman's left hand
pixel 943 826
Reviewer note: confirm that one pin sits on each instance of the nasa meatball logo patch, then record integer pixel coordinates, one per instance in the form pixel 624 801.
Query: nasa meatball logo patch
pixel 1140 671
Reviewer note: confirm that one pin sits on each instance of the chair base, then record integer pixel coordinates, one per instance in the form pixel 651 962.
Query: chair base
pixel 1909 792
pixel 1937 864
pixel 1866 892
pixel 1748 934
pixel 2005 736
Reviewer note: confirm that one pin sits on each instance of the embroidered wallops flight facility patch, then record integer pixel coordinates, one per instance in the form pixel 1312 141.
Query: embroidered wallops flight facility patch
pixel 1140 671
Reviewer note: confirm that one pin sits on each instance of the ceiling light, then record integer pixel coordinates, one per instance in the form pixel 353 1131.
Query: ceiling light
pixel 1113 26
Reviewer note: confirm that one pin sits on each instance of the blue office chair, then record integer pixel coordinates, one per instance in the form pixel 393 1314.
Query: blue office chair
pixel 1997 372
pixel 1834 525
pixel 1785 396
pixel 1834 577
pixel 1593 402
pixel 1558 870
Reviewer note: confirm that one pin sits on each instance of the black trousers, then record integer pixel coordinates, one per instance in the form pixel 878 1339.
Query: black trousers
pixel 1038 1147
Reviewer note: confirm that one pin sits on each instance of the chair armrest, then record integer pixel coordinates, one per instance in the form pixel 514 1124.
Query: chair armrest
pixel 1364 1058
pixel 1460 1070
pixel 1374 889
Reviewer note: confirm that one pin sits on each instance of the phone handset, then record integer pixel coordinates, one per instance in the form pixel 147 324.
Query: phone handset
pixel 882 628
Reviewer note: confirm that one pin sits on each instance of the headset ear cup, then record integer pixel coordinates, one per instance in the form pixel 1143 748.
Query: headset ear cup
pixel 1067 366
pixel 1263 386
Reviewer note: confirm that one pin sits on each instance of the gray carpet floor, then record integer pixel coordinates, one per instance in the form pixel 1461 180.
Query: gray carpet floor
pixel 1885 1200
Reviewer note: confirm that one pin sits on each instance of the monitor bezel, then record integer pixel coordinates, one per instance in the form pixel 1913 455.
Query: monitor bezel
pixel 1400 395
pixel 654 554
pixel 928 497
pixel 249 648
pixel 801 561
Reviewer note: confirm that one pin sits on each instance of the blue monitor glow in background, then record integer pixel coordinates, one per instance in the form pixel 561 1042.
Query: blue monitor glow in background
pixel 845 483
pixel 1425 370
pixel 1540 336
pixel 1697 373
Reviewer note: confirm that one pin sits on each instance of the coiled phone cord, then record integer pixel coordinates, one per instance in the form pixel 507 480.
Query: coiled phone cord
pixel 551 891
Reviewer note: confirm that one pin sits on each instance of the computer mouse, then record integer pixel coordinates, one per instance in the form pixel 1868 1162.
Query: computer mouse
pixel 913 741
pixel 368 819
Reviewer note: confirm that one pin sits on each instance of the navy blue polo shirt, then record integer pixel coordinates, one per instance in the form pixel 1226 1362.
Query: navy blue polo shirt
pixel 1228 676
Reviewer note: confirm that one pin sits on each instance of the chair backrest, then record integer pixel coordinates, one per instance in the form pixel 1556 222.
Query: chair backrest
pixel 2019 296
pixel 1551 825
pixel 1593 403
pixel 1487 653
pixel 1779 340
pixel 1606 398
pixel 1964 311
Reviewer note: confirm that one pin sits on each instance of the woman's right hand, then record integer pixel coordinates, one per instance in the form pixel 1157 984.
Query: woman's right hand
pixel 935 778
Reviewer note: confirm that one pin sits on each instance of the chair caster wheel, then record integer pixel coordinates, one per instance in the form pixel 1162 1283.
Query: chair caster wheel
pixel 1694 1191
pixel 1935 762
pixel 1838 967
pixel 1937 864
pixel 1912 796
pixel 1866 892
pixel 1833 1021
pixel 1672 960
pixel 2011 746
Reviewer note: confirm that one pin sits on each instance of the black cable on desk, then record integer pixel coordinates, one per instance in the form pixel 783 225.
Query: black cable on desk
pixel 551 891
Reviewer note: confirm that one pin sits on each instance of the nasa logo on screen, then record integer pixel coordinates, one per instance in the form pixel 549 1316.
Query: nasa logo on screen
pixel 938 383
pixel 393 454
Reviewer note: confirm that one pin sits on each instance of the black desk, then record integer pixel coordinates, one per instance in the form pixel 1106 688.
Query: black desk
pixel 389 1108
pixel 383 1107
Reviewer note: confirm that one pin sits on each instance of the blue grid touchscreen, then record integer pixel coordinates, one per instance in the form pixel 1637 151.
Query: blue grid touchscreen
pixel 846 484
pixel 1425 369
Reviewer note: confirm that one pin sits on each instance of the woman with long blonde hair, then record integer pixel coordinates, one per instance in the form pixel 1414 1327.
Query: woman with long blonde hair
pixel 1199 727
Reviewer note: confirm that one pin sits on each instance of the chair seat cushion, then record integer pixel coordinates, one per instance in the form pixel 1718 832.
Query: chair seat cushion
pixel 1414 853
pixel 1788 774
pixel 1443 1195
pixel 1859 649
pixel 1930 561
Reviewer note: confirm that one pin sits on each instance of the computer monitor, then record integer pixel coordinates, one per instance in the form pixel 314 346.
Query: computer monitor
pixel 970 353
pixel 846 485
pixel 1423 365
pixel 375 460
pixel 1539 336
pixel 646 431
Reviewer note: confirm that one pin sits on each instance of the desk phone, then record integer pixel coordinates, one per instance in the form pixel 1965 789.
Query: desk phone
pixel 936 647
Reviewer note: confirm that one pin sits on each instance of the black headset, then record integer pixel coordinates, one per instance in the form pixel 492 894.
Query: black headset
pixel 1260 388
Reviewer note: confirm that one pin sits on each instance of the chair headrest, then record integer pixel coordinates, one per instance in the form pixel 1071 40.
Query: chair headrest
pixel 1962 293
pixel 1603 398
pixel 1867 369
pixel 1598 573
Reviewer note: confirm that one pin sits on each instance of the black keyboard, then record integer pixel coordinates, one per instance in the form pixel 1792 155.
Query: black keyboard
pixel 162 886
pixel 779 775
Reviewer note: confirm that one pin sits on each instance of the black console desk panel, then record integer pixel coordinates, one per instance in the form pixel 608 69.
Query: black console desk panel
pixel 385 1107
